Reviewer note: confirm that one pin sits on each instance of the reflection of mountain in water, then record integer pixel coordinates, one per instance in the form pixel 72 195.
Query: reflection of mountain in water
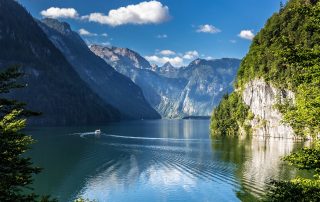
pixel 165 160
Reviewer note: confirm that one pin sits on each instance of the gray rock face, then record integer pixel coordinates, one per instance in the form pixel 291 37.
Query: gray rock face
pixel 189 91
pixel 261 98
pixel 112 87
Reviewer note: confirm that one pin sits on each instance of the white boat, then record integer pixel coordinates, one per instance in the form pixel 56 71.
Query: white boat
pixel 97 132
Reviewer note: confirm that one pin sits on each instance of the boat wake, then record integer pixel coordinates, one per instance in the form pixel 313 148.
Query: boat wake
pixel 153 138
pixel 83 135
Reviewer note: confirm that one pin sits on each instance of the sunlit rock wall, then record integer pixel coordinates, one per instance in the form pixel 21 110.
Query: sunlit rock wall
pixel 261 97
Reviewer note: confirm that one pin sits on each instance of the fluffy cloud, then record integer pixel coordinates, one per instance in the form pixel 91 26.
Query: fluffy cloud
pixel 191 55
pixel 175 61
pixel 104 34
pixel 246 34
pixel 55 12
pixel 167 52
pixel 179 60
pixel 162 36
pixel 152 12
pixel 208 29
pixel 84 32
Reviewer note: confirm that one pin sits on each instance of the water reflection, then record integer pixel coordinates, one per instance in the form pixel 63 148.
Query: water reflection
pixel 167 160
pixel 258 161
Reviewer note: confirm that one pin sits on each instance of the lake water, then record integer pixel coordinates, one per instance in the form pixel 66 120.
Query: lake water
pixel 165 160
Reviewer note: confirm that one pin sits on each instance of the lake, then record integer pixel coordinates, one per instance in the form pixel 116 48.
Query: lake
pixel 163 160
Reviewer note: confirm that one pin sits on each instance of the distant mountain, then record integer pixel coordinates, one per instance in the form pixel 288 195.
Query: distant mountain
pixel 54 88
pixel 111 86
pixel 177 92
pixel 122 57
pixel 161 92
pixel 208 81
pixel 167 70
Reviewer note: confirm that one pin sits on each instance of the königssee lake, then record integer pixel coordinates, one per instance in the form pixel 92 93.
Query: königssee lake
pixel 164 160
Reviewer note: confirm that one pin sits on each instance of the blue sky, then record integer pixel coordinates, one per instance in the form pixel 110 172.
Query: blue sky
pixel 164 30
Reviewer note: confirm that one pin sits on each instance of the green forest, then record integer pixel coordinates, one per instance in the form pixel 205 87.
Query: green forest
pixel 286 54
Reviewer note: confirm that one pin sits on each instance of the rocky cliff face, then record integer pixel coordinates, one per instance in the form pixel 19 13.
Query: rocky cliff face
pixel 108 84
pixel 261 97
pixel 53 86
pixel 179 92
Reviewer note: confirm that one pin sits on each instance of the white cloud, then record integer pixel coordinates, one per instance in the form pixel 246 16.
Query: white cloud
pixel 167 52
pixel 104 34
pixel 208 29
pixel 175 61
pixel 246 34
pixel 152 12
pixel 162 36
pixel 209 58
pixel 84 32
pixel 233 41
pixel 55 12
pixel 191 55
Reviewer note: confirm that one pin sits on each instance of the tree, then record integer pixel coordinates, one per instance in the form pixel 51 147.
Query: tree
pixel 299 189
pixel 16 171
pixel 281 6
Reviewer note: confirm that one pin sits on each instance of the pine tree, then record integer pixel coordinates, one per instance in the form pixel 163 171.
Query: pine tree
pixel 16 171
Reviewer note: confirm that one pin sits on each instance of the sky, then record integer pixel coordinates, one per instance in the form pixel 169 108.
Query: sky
pixel 163 30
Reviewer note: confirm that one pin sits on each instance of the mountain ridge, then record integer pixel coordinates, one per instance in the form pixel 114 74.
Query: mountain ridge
pixel 111 86
pixel 54 88
pixel 187 91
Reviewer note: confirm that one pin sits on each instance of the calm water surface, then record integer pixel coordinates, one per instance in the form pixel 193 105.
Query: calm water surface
pixel 166 160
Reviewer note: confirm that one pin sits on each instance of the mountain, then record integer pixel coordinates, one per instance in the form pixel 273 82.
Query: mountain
pixel 54 88
pixel 108 84
pixel 190 91
pixel 123 57
pixel 208 81
pixel 278 92
pixel 167 70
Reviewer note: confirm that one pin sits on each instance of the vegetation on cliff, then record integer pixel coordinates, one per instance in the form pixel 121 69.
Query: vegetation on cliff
pixel 230 116
pixel 286 53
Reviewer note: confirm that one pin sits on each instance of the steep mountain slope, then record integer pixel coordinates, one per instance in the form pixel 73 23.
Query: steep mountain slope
pixel 54 88
pixel 189 91
pixel 112 87
pixel 278 83
pixel 208 81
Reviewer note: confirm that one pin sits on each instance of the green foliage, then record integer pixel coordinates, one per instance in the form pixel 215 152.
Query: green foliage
pixel 16 171
pixel 306 158
pixel 286 53
pixel 229 116
pixel 8 82
pixel 299 189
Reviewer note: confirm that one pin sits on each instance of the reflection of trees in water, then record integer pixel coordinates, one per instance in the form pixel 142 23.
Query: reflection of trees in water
pixel 257 160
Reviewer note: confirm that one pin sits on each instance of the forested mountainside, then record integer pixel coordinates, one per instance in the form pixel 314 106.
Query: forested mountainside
pixel 179 92
pixel 278 83
pixel 111 86
pixel 53 87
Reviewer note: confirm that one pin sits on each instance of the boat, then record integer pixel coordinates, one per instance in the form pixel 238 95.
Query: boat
pixel 97 132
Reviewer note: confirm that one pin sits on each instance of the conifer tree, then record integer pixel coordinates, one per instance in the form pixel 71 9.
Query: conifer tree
pixel 16 170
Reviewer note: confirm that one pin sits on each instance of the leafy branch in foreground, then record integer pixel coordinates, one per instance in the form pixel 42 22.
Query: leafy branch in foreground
pixel 299 189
